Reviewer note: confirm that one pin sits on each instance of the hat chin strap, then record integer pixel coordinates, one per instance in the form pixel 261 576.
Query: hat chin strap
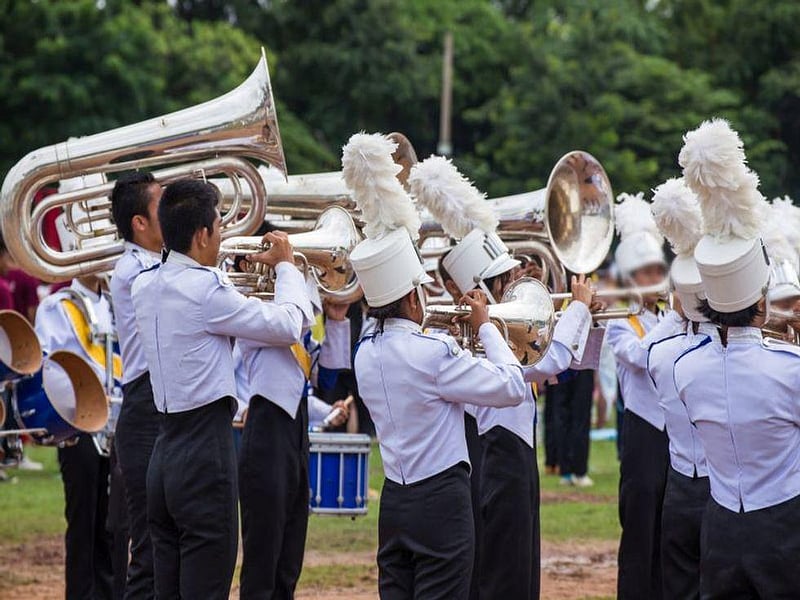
pixel 421 295
pixel 482 285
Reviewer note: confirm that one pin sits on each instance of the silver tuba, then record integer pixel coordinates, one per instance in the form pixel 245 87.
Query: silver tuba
pixel 323 252
pixel 213 138
pixel 525 318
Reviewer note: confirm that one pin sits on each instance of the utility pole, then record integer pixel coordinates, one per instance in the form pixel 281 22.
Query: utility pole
pixel 445 146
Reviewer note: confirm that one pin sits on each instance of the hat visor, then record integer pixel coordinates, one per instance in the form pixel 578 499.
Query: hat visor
pixel 500 265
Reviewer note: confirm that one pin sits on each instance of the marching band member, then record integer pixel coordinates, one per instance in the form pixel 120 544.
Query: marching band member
pixel 740 389
pixel 678 216
pixel 644 458
pixel 273 462
pixel 134 205
pixel 186 313
pixel 60 325
pixel 508 487
pixel 415 386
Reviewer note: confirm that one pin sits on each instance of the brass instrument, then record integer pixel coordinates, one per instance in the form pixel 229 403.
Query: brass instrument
pixel 634 296
pixel 323 251
pixel 567 225
pixel 213 138
pixel 525 317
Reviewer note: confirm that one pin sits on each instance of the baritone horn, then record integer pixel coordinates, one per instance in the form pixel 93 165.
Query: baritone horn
pixel 525 318
pixel 323 252
pixel 214 138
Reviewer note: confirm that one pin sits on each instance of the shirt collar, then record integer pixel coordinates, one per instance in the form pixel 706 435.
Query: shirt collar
pixel 744 335
pixel 137 248
pixel 94 295
pixel 176 258
pixel 402 325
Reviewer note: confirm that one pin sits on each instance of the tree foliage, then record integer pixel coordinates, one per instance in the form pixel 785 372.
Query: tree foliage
pixel 623 79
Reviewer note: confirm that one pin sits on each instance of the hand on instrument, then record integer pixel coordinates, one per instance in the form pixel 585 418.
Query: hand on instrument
pixel 478 302
pixel 335 311
pixel 597 306
pixel 582 290
pixel 280 250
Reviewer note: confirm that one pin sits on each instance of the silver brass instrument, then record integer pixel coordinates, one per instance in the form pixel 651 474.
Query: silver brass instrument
pixel 324 252
pixel 568 224
pixel 634 296
pixel 213 138
pixel 525 317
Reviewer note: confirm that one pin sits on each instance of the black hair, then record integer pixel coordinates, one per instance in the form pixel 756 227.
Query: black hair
pixel 740 318
pixel 443 272
pixel 3 247
pixel 392 310
pixel 130 197
pixel 504 278
pixel 187 206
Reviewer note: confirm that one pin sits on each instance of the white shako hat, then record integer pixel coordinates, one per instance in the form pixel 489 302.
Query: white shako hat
pixel 464 215
pixel 731 257
pixel 677 213
pixel 641 244
pixel 387 263
pixel 783 284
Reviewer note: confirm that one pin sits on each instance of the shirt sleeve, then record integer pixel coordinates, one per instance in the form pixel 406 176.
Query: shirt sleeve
pixel 53 328
pixel 492 381
pixel 629 349
pixel 557 359
pixel 317 409
pixel 228 312
pixel 335 351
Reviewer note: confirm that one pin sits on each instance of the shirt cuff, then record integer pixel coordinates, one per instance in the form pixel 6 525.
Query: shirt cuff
pixel 572 329
pixel 290 288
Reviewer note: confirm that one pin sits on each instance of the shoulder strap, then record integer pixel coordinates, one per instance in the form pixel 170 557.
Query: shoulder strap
pixel 80 327
pixel 637 325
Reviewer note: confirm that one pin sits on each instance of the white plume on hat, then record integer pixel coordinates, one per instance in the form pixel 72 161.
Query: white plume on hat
pixel 788 214
pixel 715 168
pixel 677 214
pixel 774 235
pixel 371 175
pixel 632 215
pixel 451 198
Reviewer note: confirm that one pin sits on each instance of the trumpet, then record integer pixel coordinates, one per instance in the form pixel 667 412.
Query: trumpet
pixel 323 252
pixel 634 297
pixel 525 318
pixel 213 138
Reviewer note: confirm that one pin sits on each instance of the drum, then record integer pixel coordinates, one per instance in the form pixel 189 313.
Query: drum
pixel 63 399
pixel 338 473
pixel 20 352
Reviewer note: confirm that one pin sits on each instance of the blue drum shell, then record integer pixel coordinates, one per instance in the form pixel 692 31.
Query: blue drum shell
pixel 338 472
pixel 35 411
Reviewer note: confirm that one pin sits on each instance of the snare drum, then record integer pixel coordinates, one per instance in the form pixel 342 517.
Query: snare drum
pixel 65 398
pixel 338 472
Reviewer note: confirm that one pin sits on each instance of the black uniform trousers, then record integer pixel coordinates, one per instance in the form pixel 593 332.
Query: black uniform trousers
pixel 135 436
pixel 273 491
pixel 88 570
pixel 572 403
pixel 510 518
pixel 643 479
pixel 475 451
pixel 426 538
pixel 191 503
pixel 750 555
pixel 117 525
pixel 685 501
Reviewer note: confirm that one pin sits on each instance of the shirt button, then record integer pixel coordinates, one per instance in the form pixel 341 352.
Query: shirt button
pixel 575 346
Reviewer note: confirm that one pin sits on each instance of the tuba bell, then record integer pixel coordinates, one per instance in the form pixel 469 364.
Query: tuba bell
pixel 525 317
pixel 323 252
pixel 213 138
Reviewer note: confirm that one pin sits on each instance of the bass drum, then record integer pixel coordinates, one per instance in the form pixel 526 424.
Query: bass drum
pixel 63 399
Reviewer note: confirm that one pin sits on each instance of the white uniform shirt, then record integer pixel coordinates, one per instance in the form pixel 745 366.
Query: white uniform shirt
pixel 743 399
pixel 415 386
pixel 187 314
pixel 273 371
pixel 569 341
pixel 686 452
pixel 630 351
pixel 134 260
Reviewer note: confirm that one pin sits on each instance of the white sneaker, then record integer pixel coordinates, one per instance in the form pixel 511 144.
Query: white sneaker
pixel 26 464
pixel 566 480
pixel 582 481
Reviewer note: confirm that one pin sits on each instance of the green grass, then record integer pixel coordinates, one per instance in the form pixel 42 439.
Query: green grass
pixel 33 506
pixel 338 576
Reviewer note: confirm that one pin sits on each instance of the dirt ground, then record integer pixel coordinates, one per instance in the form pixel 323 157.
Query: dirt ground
pixel 570 571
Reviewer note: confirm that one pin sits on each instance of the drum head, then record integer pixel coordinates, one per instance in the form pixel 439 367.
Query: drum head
pixel 19 346
pixel 75 391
